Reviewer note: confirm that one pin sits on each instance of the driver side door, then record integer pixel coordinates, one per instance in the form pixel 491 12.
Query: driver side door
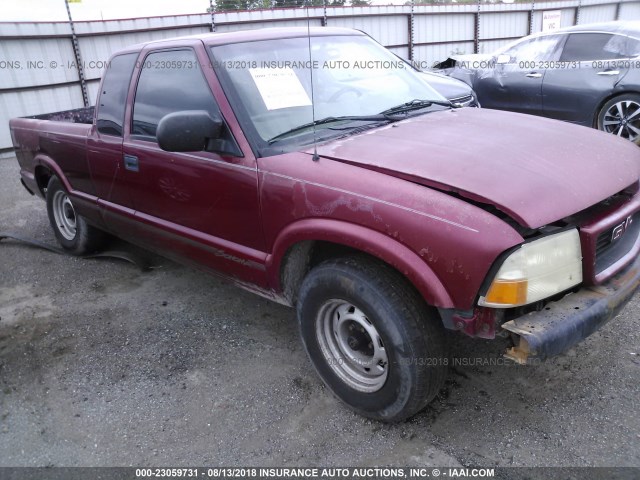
pixel 197 206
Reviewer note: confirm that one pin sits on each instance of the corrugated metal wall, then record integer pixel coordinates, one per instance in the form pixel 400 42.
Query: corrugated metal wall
pixel 38 73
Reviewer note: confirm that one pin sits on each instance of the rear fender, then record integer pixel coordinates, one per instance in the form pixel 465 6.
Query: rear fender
pixel 84 204
pixel 47 162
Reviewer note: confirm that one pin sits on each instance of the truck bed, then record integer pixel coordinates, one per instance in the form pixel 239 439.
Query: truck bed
pixel 78 115
pixel 59 135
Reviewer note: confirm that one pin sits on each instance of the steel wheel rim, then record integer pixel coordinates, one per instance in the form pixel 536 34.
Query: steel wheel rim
pixel 64 215
pixel 623 119
pixel 352 346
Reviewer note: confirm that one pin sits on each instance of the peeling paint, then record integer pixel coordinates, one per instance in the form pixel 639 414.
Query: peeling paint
pixel 372 199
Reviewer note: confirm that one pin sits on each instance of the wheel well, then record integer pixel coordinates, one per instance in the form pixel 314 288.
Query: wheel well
pixel 42 175
pixel 303 256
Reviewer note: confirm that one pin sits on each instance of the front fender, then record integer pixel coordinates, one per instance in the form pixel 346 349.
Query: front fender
pixel 363 239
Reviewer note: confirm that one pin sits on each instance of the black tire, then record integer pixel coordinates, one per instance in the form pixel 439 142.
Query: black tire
pixel 342 299
pixel 71 230
pixel 611 121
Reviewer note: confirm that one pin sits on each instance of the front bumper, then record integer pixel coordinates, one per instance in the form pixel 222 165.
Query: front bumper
pixel 565 323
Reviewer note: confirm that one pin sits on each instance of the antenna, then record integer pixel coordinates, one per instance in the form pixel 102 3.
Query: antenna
pixel 315 156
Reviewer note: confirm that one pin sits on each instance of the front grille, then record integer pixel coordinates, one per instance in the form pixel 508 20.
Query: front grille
pixel 603 242
pixel 610 250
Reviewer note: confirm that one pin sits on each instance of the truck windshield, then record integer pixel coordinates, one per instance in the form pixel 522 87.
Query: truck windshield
pixel 270 82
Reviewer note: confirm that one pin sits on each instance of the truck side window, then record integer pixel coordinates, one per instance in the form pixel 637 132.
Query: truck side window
pixel 170 81
pixel 113 97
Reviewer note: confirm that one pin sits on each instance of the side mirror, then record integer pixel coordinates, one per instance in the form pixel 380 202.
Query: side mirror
pixel 188 131
pixel 503 58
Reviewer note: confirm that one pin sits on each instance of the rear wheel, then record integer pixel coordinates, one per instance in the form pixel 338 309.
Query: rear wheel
pixel 621 116
pixel 371 337
pixel 71 230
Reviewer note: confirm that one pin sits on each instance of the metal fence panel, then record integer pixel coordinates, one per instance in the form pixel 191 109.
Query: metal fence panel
pixel 402 52
pixel 386 29
pixel 445 27
pixel 504 25
pixel 598 13
pixel 31 29
pixel 138 24
pixel 232 27
pixel 266 16
pixel 424 33
pixel 36 62
pixel 629 11
pixel 442 9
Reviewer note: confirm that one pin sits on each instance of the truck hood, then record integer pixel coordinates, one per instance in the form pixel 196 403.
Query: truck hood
pixel 533 169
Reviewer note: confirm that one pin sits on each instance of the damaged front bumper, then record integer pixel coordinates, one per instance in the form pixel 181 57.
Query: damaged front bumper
pixel 566 322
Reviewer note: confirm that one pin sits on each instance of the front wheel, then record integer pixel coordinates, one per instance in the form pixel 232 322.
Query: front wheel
pixel 621 116
pixel 371 338
pixel 71 230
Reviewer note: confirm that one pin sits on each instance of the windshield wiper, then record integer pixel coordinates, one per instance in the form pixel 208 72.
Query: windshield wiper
pixel 418 104
pixel 385 116
pixel 382 117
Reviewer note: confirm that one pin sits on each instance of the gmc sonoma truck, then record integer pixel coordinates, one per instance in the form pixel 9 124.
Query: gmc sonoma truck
pixel 313 167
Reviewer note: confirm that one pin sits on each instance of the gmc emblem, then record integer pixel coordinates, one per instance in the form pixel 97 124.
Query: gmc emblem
pixel 619 230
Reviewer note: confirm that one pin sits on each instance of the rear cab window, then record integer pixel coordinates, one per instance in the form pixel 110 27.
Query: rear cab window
pixel 112 100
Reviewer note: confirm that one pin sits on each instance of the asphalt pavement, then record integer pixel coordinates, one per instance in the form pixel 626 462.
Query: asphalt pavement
pixel 102 364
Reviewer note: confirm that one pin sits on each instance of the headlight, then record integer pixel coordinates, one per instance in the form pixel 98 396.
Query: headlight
pixel 537 270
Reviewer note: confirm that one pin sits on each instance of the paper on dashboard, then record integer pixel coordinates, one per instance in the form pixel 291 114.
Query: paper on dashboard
pixel 279 88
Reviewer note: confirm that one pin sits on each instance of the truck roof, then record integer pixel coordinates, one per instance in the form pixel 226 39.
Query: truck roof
pixel 246 36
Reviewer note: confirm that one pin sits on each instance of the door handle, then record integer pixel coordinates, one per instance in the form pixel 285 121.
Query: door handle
pixel 609 72
pixel 534 75
pixel 131 163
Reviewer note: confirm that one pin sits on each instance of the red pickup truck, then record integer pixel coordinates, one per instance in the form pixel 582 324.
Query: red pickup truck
pixel 313 167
